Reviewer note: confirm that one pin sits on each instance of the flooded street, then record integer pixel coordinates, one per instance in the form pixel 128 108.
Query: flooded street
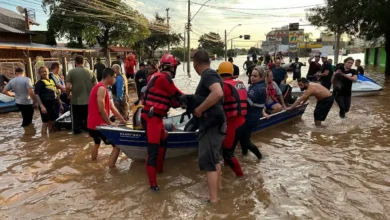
pixel 337 172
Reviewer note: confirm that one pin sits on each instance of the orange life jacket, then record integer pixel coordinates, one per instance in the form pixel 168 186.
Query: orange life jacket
pixel 236 103
pixel 156 97
pixel 271 92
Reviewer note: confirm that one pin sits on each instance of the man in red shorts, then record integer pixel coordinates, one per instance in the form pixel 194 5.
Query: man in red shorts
pixel 160 94
pixel 99 106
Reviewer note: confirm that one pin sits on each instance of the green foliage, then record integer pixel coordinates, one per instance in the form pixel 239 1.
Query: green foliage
pixel 100 22
pixel 338 16
pixel 158 38
pixel 212 43
pixel 179 52
pixel 253 50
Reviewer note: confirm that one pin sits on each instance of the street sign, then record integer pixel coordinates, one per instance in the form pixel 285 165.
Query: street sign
pixel 293 38
pixel 247 37
pixel 293 27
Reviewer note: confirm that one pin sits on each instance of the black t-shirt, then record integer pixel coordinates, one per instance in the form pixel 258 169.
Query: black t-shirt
pixel 326 80
pixel 99 67
pixel 236 70
pixel 347 84
pixel 360 70
pixel 313 69
pixel 208 78
pixel 296 67
pixel 248 65
pixel 3 79
pixel 44 92
pixel 141 74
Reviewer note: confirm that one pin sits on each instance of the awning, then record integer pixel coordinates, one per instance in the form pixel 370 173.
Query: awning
pixel 40 47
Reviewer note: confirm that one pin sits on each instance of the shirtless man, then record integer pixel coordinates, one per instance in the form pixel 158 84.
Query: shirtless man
pixel 324 99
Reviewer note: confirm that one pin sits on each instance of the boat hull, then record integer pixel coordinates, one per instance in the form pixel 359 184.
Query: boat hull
pixel 8 107
pixel 180 143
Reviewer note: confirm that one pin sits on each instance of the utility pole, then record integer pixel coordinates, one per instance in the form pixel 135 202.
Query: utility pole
pixel 188 37
pixel 184 46
pixel 225 45
pixel 169 43
pixel 231 48
pixel 27 20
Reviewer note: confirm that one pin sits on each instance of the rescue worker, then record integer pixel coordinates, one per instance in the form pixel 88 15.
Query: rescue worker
pixel 235 107
pixel 48 97
pixel 257 94
pixel 160 94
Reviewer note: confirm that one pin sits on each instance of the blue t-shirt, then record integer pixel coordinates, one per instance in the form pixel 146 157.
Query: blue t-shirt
pixel 279 74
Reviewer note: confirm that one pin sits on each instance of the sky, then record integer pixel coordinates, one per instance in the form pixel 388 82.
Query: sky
pixel 257 17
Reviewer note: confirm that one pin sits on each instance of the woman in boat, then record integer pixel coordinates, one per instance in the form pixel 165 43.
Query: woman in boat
pixel 257 95
pixel 273 92
pixel 47 96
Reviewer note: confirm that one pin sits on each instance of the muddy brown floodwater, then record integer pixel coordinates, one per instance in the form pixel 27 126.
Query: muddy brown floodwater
pixel 338 172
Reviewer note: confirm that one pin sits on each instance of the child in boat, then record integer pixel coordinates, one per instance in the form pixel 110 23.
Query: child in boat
pixel 99 107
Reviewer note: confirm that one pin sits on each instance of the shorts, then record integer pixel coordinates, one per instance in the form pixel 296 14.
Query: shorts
pixel 296 76
pixel 210 146
pixel 322 108
pixel 97 137
pixel 51 109
pixel 269 106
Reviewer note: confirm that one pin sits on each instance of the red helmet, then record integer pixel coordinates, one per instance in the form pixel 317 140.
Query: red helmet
pixel 169 60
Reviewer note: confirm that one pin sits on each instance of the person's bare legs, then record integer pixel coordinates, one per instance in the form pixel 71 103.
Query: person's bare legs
pixel 276 108
pixel 50 126
pixel 113 157
pixel 317 123
pixel 213 182
pixel 94 151
pixel 44 129
pixel 219 170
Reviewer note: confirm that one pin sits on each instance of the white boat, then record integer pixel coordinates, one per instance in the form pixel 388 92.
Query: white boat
pixel 364 86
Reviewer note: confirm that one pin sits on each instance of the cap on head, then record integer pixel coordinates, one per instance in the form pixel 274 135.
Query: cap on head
pixel 225 68
pixel 324 56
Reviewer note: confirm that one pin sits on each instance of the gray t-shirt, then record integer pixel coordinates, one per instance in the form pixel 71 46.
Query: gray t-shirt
pixel 278 93
pixel 20 86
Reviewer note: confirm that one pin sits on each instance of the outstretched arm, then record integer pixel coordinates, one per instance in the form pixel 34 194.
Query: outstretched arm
pixel 301 99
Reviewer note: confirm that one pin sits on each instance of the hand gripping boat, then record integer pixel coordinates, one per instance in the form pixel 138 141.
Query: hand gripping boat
pixel 180 142
pixel 364 86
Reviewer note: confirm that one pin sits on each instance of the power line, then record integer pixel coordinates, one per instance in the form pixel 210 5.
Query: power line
pixel 258 9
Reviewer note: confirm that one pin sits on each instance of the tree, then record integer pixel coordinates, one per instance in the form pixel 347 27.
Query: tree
pixel 158 38
pixel 102 22
pixel 338 16
pixel 179 52
pixel 212 43
pixel 375 25
pixel 253 50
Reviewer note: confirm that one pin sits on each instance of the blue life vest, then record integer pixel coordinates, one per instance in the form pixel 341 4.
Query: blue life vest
pixel 257 96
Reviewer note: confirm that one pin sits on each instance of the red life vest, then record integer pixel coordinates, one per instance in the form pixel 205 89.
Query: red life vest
pixel 271 92
pixel 156 97
pixel 235 103
pixel 94 117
